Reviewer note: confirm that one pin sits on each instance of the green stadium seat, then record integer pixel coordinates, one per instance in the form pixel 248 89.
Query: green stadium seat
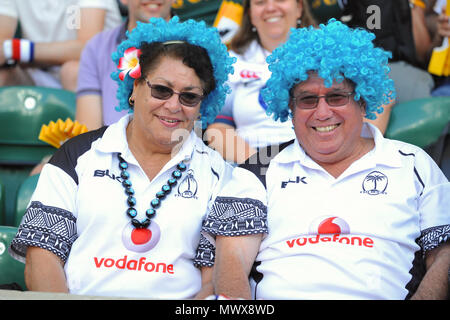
pixel 24 194
pixel 12 177
pixel 23 111
pixel 421 122
pixel 11 271
pixel 2 202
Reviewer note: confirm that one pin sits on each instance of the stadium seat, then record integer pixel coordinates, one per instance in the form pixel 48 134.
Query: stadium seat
pixel 23 111
pixel 421 122
pixel 24 194
pixel 11 271
pixel 12 177
pixel 2 202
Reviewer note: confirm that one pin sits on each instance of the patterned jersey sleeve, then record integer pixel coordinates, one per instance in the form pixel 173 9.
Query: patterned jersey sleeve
pixel 433 203
pixel 239 209
pixel 49 222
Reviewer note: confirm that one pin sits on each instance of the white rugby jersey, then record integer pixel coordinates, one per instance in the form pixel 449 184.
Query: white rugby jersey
pixel 354 237
pixel 245 109
pixel 78 212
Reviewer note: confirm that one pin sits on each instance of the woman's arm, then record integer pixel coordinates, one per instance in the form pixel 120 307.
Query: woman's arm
pixel 224 139
pixel 89 111
pixel 207 288
pixel 59 52
pixel 382 120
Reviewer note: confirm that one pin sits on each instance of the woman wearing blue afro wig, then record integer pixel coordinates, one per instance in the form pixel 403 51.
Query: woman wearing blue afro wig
pixel 192 32
pixel 135 193
pixel 335 52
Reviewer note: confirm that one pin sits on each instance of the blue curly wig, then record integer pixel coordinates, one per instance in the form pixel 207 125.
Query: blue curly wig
pixel 335 52
pixel 196 33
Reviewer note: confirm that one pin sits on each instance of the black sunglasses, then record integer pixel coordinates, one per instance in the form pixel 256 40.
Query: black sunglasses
pixel 334 99
pixel 188 99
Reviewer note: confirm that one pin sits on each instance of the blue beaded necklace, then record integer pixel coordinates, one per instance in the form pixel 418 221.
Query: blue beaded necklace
pixel 156 202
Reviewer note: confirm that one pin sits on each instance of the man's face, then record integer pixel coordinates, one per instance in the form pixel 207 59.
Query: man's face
pixel 328 134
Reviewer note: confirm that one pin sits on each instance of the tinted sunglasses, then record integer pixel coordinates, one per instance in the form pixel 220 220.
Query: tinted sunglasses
pixel 334 99
pixel 188 99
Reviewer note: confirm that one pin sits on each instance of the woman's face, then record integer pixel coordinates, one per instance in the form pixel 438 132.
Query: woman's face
pixel 143 10
pixel 327 134
pixel 274 18
pixel 164 121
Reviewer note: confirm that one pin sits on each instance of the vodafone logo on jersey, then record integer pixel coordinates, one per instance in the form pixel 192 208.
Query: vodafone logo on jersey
pixel 330 229
pixel 138 240
pixel 141 240
pixel 327 225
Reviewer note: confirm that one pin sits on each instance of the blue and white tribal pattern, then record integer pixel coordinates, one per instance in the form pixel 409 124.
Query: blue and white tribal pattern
pixel 46 227
pixel 231 216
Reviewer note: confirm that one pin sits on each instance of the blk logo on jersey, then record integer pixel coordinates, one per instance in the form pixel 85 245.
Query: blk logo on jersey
pixel 103 173
pixel 375 183
pixel 296 180
pixel 141 239
pixel 329 229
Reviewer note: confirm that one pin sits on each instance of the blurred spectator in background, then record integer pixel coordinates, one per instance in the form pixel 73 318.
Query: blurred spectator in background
pixel 242 126
pixel 225 15
pixel 52 36
pixel 96 100
pixel 439 28
pixel 205 10
pixel 399 27
pixel 323 10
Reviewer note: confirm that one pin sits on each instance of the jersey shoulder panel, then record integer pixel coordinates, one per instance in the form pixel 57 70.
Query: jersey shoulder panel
pixel 260 161
pixel 67 156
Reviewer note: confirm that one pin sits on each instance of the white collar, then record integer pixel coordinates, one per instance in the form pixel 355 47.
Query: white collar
pixel 380 154
pixel 115 140
pixel 115 137
pixel 255 53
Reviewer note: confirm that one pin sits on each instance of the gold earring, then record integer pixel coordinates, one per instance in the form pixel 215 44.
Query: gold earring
pixel 131 102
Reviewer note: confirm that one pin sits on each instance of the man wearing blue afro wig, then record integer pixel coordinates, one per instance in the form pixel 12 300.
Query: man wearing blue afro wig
pixel 351 214
pixel 334 51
